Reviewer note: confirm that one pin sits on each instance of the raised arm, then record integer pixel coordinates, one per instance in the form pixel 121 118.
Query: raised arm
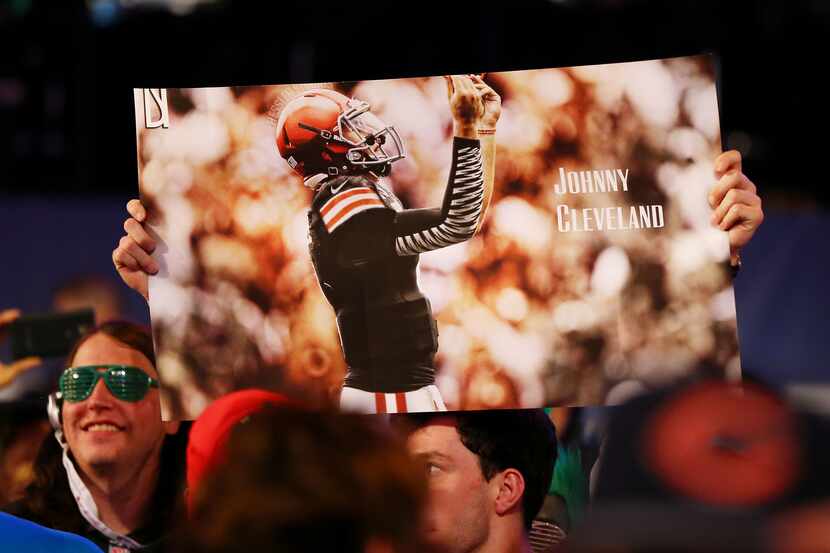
pixel 487 138
pixel 422 230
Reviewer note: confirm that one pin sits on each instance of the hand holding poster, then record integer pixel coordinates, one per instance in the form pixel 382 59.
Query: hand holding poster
pixel 591 267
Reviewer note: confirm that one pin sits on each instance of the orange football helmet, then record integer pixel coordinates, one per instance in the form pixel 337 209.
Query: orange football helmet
pixel 324 132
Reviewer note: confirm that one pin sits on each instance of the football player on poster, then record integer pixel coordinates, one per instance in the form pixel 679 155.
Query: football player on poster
pixel 364 245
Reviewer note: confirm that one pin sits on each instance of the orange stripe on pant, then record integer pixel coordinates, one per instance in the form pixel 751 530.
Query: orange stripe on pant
pixel 380 403
pixel 400 402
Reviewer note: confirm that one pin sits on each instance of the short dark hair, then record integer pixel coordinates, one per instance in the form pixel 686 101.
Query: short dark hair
pixel 522 439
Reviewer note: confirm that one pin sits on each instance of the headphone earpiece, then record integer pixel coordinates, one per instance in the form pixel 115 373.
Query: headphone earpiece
pixel 53 410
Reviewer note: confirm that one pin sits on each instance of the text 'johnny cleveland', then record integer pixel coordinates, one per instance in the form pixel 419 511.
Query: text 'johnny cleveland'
pixel 590 219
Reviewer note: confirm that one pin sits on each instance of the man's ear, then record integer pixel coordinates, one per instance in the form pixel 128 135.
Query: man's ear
pixel 171 427
pixel 511 491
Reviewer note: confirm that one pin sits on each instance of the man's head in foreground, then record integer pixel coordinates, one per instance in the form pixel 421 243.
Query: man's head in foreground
pixel 488 474
pixel 296 481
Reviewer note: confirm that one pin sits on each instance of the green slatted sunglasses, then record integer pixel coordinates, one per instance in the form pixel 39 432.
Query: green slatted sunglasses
pixel 123 381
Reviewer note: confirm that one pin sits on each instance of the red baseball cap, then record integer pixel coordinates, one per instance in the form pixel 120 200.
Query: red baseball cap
pixel 211 431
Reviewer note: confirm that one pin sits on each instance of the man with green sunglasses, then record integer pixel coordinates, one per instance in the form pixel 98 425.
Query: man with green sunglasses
pixel 124 382
pixel 113 458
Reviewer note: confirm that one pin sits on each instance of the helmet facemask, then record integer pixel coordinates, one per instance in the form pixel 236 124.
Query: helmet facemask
pixel 371 144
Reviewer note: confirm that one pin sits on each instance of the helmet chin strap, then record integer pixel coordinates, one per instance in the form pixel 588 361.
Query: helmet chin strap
pixel 382 171
pixel 83 497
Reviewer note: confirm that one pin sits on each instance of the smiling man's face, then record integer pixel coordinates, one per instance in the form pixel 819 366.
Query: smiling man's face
pixel 104 432
pixel 460 499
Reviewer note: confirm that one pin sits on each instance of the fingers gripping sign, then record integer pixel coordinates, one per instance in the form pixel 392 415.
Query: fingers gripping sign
pixel 132 257
pixel 735 201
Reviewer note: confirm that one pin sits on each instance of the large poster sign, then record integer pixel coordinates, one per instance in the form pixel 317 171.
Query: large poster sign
pixel 510 239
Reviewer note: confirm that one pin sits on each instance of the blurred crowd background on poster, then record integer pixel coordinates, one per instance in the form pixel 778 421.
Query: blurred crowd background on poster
pixel 528 313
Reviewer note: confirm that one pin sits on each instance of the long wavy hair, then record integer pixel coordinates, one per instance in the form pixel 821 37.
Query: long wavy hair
pixel 48 496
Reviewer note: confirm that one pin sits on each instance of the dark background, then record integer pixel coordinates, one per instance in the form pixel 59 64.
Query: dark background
pixel 67 137
pixel 68 67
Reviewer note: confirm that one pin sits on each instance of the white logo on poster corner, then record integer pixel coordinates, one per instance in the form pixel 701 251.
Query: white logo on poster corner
pixel 157 96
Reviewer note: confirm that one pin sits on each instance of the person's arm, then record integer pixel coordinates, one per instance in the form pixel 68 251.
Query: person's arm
pixel 421 230
pixel 488 159
pixel 737 206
